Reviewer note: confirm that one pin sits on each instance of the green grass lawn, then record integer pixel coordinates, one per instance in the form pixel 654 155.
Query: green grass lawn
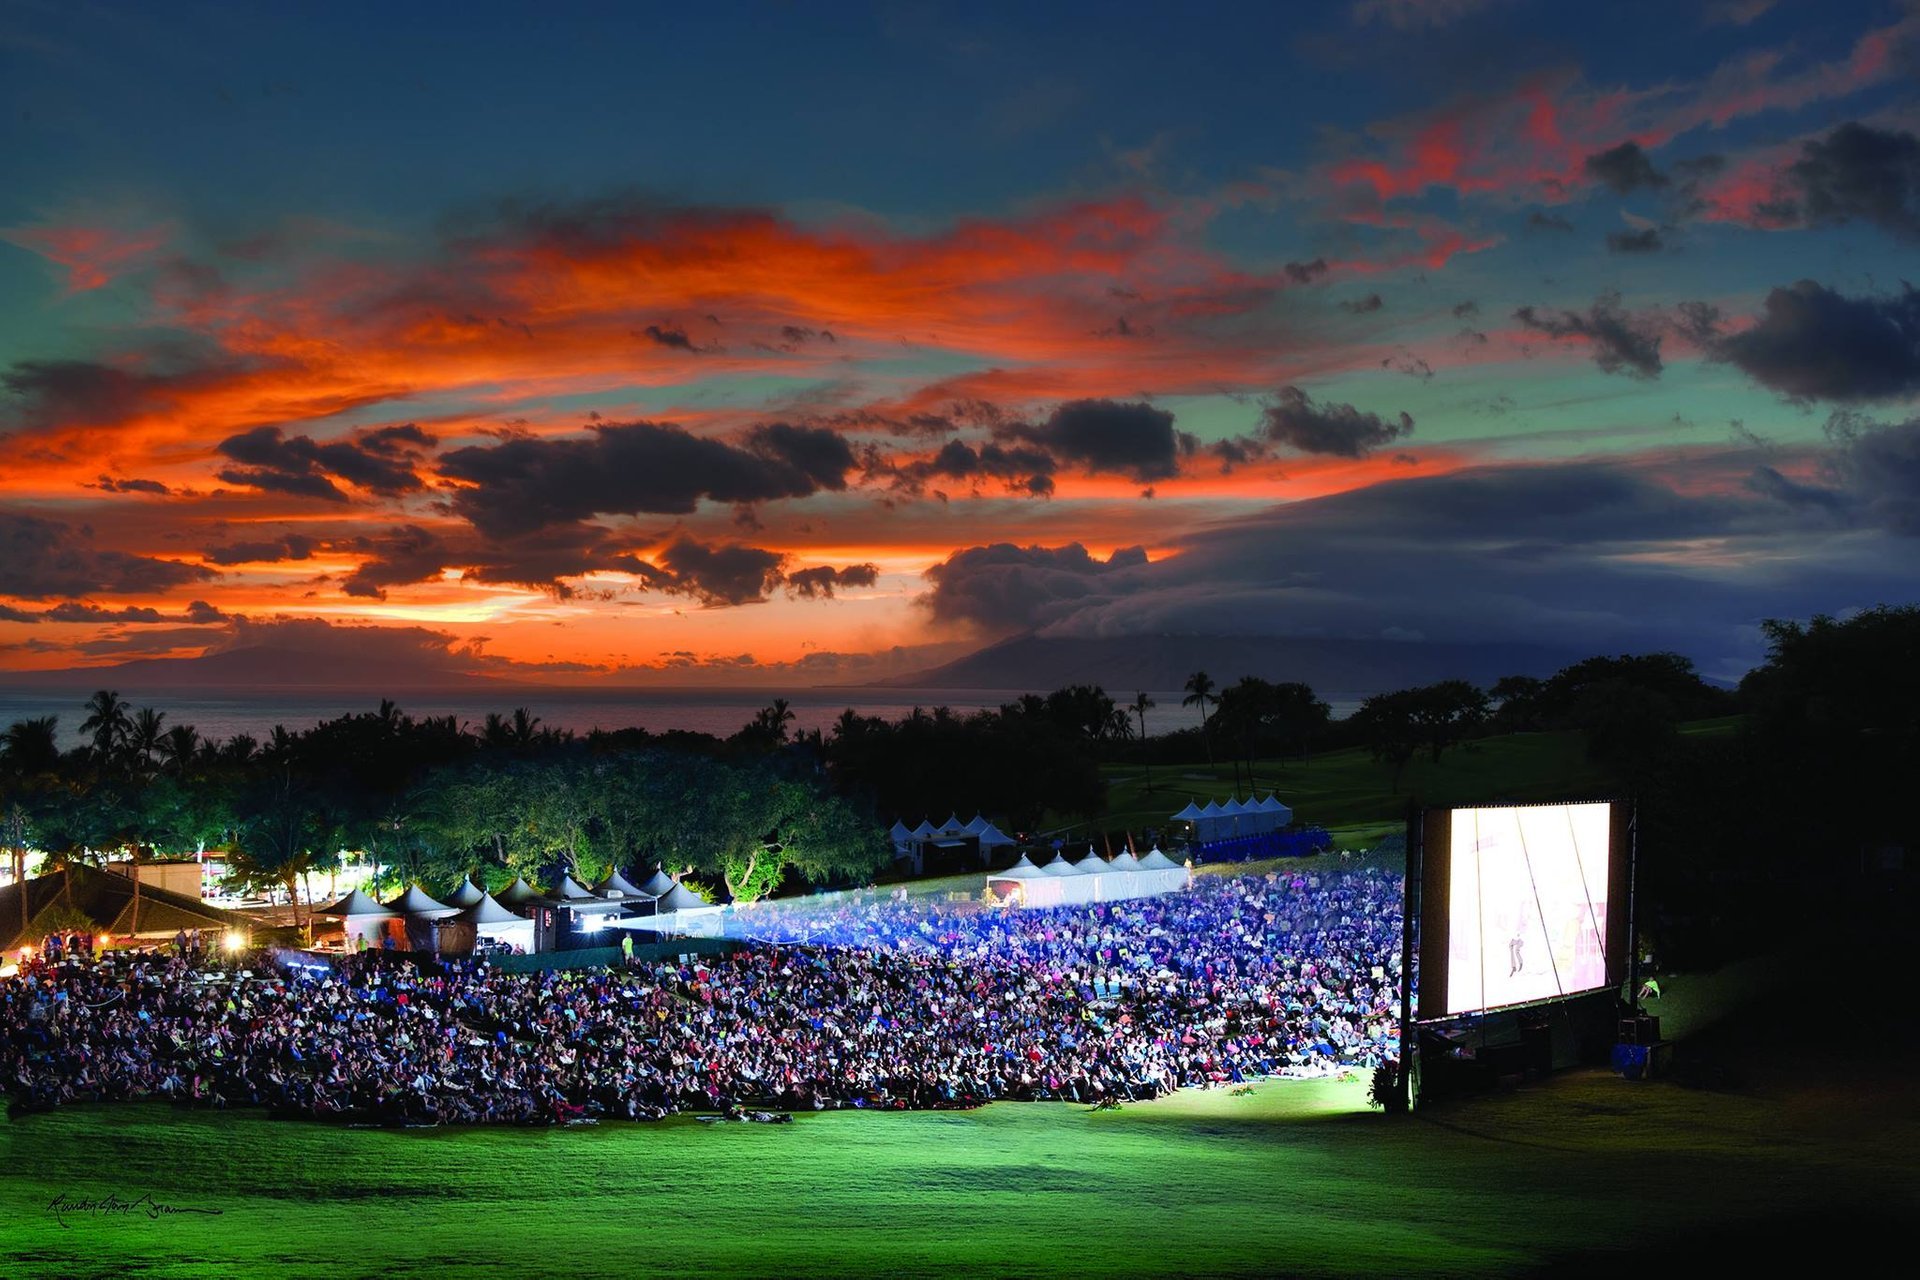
pixel 1298 1178
pixel 1351 794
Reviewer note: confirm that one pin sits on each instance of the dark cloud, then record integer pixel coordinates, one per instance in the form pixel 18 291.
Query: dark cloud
pixel 395 558
pixel 1008 588
pixel 115 484
pixel 198 613
pixel 520 485
pixel 382 461
pixel 1466 310
pixel 1306 272
pixel 1645 240
pixel 1770 483
pixel 671 336
pixel 293 546
pixel 1019 467
pixel 1361 306
pixel 1878 468
pixel 1861 172
pixel 43 559
pixel 1621 343
pixel 824 580
pixel 1134 440
pixel 1292 419
pixel 63 393
pixel 1542 221
pixel 1625 168
pixel 721 575
pixel 824 457
pixel 794 336
pixel 1812 343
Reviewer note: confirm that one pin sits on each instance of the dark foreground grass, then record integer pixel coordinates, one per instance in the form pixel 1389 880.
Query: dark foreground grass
pixel 1586 1173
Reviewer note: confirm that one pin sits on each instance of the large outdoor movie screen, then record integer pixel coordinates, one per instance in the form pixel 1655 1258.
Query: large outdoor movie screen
pixel 1526 899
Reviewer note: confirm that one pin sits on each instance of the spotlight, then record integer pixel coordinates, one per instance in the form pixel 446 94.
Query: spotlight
pixel 235 940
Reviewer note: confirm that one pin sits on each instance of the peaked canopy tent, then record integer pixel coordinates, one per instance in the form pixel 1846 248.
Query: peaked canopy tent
pixel 950 840
pixel 485 919
pixel 421 914
pixel 1160 874
pixel 466 894
pixel 519 895
pixel 616 885
pixel 417 902
pixel 659 884
pixel 363 920
pixel 570 890
pixel 679 911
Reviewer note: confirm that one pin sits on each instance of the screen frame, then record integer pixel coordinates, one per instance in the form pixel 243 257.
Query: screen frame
pixel 1434 831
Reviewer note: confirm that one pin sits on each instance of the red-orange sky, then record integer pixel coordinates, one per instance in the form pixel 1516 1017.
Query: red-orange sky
pixel 830 347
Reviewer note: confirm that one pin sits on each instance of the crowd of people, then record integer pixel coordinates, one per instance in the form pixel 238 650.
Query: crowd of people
pixel 881 1000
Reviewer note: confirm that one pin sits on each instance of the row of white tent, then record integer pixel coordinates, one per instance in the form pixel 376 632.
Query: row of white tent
pixel 1092 879
pixel 508 916
pixel 951 831
pixel 1216 821
pixel 912 843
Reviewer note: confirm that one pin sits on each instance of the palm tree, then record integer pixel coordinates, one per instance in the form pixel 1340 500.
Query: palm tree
pixel 179 746
pixel 13 827
pixel 1140 706
pixel 31 747
pixel 107 724
pixel 524 729
pixel 144 735
pixel 1199 689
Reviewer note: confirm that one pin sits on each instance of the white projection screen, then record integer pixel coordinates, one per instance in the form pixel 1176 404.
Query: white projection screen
pixel 1519 905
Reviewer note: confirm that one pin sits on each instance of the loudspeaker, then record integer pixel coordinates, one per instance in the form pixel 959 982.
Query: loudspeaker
pixel 1641 1029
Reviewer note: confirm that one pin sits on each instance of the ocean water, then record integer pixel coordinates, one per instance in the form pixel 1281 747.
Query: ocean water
pixel 225 712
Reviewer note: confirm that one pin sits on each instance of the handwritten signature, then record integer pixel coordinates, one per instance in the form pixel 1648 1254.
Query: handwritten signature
pixel 112 1206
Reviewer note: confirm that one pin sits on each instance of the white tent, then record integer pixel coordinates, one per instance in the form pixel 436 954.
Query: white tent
pixel 977 826
pixel 360 916
pixel 466 895
pixel 952 826
pixel 658 885
pixel 1192 813
pixel 680 911
pixel 992 837
pixel 1024 864
pixel 1160 874
pixel 1036 888
pixel 1281 813
pixel 925 831
pixel 901 835
pixel 1059 866
pixel 1125 862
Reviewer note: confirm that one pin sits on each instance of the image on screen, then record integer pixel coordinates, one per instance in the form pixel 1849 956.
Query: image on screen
pixel 1529 904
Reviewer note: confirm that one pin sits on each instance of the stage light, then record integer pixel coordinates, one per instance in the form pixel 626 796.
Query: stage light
pixel 235 940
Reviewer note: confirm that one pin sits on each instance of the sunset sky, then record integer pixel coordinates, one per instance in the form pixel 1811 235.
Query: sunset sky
pixel 823 341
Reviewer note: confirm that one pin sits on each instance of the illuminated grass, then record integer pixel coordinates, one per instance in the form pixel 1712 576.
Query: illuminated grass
pixel 1296 1178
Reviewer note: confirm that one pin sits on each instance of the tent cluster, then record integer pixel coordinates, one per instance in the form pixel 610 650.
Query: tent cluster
pixel 1235 818
pixel 1092 879
pixel 913 842
pixel 470 915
